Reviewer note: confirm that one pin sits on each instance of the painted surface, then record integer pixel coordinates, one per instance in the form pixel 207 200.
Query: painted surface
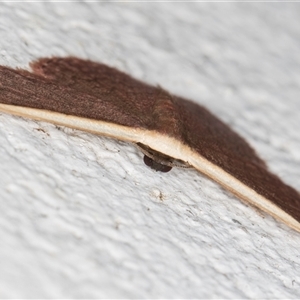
pixel 82 216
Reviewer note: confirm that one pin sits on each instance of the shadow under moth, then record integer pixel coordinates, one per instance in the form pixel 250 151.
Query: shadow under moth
pixel 170 130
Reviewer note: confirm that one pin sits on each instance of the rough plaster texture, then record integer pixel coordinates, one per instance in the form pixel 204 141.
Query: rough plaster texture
pixel 82 216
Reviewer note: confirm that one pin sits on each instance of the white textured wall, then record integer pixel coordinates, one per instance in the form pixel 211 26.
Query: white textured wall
pixel 82 216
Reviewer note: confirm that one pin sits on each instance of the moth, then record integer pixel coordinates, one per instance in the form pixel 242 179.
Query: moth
pixel 170 131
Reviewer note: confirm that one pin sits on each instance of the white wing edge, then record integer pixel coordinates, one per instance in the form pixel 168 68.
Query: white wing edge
pixel 161 143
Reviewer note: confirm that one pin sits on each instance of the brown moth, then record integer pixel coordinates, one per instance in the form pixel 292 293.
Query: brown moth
pixel 170 130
